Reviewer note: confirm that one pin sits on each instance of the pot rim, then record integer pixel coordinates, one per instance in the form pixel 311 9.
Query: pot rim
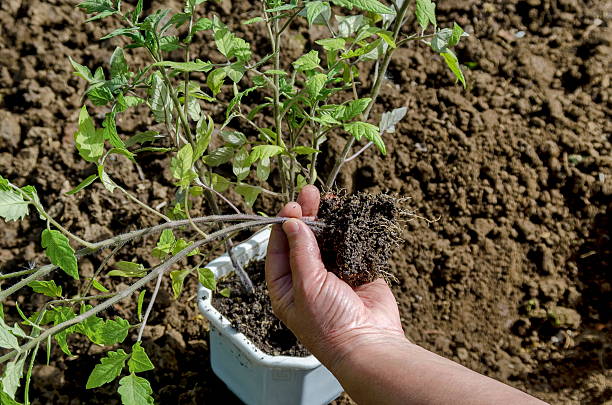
pixel 254 247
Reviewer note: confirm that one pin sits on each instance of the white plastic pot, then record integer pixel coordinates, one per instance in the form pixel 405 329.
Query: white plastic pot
pixel 254 376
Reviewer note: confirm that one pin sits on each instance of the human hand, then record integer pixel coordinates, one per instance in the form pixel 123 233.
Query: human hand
pixel 326 314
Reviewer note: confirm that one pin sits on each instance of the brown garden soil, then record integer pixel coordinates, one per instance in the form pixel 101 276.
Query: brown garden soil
pixel 252 314
pixel 513 279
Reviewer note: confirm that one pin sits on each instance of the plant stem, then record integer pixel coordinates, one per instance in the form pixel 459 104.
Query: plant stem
pixel 150 306
pixel 341 160
pixel 275 38
pixel 249 220
pixel 143 205
pixel 125 293
pixel 242 274
pixel 17 274
pixel 101 267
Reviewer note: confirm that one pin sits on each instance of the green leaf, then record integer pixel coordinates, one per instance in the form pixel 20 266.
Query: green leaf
pixel 349 25
pixel 332 44
pixel 119 65
pixel 215 79
pixel 5 399
pixel 373 6
pixel 59 251
pixel 169 43
pixel 241 166
pixel 160 100
pixel 110 134
pixel 388 120
pixel 196 66
pixel 128 269
pixel 135 390
pixel 139 361
pixel 12 206
pixel 234 138
pixel 143 137
pixel 225 292
pixel 456 35
pixel 80 70
pixel 7 339
pixel 307 62
pixel 305 150
pixel 181 166
pixel 219 156
pixel 253 20
pixel 219 183
pixel 364 130
pixel 100 96
pixel 96 6
pixel 235 71
pixel 178 279
pixel 165 244
pixel 128 32
pixel 231 46
pixel 83 184
pixel 355 107
pixel 111 332
pixel 426 13
pixel 364 50
pixel 204 130
pixel 453 64
pixel 264 151
pixel 387 37
pixel 263 169
pixel 12 375
pixel 317 12
pixel 89 142
pixel 107 182
pixel 201 25
pixel 141 298
pixel 315 84
pixel 182 244
pixel 108 369
pixel 98 286
pixel 439 42
pixel 47 288
pixel 207 278
pixel 249 193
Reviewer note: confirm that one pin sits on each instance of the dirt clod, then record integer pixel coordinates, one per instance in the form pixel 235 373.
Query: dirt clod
pixel 360 233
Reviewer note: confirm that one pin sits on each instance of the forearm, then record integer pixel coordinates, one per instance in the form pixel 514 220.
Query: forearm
pixel 399 372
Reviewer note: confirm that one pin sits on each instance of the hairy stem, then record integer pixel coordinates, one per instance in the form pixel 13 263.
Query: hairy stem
pixel 150 306
pixel 143 205
pixel 249 221
pixel 125 293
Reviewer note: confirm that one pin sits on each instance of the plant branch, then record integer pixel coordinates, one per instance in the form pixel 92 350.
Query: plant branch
pixel 125 293
pixel 249 220
pixel 150 306
pixel 143 205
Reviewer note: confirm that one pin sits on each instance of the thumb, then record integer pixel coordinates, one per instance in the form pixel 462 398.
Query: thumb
pixel 307 269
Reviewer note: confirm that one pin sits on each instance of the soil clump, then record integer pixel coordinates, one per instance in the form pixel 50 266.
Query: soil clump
pixel 360 234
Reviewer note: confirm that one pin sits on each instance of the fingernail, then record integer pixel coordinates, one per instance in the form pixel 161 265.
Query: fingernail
pixel 291 226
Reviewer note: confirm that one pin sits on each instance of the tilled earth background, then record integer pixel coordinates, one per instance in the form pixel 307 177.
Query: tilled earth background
pixel 513 280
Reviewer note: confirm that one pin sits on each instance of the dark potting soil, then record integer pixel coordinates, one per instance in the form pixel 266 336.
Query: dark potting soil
pixel 252 314
pixel 360 234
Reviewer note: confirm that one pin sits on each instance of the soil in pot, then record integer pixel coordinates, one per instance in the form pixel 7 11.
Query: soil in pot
pixel 251 314
pixel 360 234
